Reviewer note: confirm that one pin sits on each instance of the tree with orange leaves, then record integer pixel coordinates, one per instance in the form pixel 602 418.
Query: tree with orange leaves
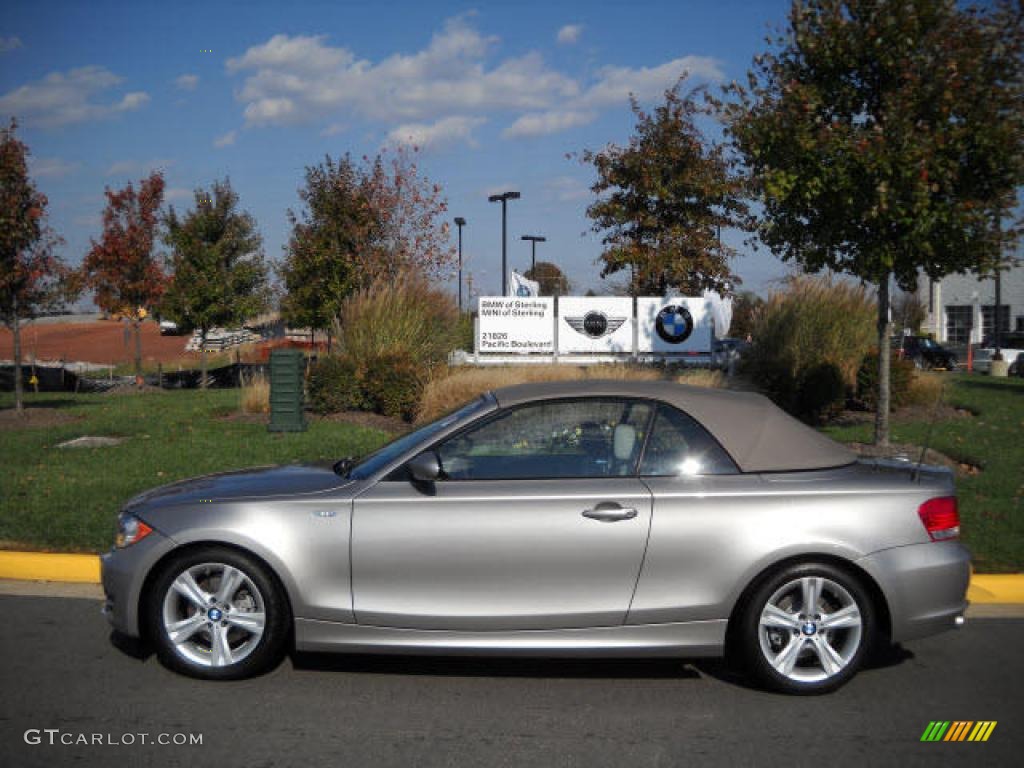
pixel 32 278
pixel 123 268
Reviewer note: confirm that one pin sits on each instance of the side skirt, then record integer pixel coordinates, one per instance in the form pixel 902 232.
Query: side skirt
pixel 692 638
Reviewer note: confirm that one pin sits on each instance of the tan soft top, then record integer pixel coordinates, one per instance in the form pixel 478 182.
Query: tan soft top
pixel 758 435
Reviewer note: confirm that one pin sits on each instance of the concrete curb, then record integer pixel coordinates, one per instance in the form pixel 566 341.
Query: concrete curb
pixel 986 588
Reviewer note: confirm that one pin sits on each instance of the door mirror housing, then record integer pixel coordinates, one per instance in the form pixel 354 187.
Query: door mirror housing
pixel 425 468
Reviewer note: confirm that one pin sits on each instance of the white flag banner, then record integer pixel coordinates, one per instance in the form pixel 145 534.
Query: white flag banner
pixel 520 286
pixel 721 312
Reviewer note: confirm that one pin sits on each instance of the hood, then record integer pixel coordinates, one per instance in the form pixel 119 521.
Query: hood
pixel 249 483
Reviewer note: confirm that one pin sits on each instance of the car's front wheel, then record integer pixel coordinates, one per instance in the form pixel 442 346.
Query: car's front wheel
pixel 806 629
pixel 218 614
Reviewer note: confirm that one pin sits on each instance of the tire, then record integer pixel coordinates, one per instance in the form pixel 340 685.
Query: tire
pixel 206 628
pixel 786 652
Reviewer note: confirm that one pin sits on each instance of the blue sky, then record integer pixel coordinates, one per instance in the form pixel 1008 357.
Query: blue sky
pixel 496 94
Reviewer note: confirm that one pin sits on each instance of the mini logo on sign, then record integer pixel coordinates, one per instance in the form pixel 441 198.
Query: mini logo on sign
pixel 674 324
pixel 595 324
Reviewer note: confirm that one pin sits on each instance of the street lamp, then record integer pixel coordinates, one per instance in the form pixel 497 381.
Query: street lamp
pixel 534 239
pixel 460 223
pixel 503 198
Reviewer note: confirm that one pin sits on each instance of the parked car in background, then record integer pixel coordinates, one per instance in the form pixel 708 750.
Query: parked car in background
pixel 728 351
pixel 169 328
pixel 1011 346
pixel 925 353
pixel 591 518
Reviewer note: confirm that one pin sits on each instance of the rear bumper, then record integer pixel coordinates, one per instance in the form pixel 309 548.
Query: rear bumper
pixel 925 586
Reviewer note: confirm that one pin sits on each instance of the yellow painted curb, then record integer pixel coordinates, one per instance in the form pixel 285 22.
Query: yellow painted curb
pixel 986 588
pixel 996 588
pixel 45 566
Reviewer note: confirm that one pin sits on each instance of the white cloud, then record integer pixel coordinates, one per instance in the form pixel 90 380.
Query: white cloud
pixel 566 189
pixel 177 193
pixel 63 98
pixel 334 129
pixel 8 44
pixel 51 167
pixel 570 34
pixel 137 167
pixel 615 84
pixel 292 79
pixel 225 140
pixel 186 82
pixel 446 131
pixel 541 123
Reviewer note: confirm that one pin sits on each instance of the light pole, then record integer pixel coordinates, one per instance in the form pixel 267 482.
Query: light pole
pixel 534 239
pixel 460 223
pixel 503 198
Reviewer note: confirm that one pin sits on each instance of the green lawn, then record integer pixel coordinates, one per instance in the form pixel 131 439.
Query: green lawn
pixel 992 502
pixel 67 499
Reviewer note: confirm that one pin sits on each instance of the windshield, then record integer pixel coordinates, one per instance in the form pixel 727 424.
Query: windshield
pixel 384 456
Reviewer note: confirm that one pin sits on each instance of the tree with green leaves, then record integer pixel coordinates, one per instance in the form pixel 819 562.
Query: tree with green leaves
pixel 32 278
pixel 361 222
pixel 220 277
pixel 664 199
pixel 319 269
pixel 123 268
pixel 549 277
pixel 885 138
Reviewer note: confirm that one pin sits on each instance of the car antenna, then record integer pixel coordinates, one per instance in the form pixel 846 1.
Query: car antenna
pixel 928 434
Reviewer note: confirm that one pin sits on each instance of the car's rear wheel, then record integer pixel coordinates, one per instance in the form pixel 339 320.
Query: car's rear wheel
pixel 218 614
pixel 807 628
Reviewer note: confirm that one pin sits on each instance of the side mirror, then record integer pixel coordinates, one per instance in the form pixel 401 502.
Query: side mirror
pixel 425 468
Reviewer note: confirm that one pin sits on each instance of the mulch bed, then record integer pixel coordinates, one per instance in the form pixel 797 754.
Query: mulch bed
pixel 365 419
pixel 913 452
pixel 35 418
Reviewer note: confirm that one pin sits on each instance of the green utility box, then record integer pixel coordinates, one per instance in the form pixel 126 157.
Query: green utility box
pixel 287 368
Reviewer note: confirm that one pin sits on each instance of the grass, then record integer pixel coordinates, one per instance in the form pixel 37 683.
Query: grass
pixel 67 499
pixel 991 502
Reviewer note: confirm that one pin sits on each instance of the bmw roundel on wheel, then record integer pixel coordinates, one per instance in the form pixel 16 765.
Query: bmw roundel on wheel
pixel 584 518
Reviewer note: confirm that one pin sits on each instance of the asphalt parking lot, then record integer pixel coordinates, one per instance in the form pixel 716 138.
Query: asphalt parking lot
pixel 60 670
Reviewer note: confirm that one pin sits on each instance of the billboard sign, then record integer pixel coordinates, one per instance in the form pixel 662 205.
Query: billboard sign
pixel 673 325
pixel 595 324
pixel 516 324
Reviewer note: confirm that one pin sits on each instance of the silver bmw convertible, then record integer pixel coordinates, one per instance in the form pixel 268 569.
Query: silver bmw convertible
pixel 595 518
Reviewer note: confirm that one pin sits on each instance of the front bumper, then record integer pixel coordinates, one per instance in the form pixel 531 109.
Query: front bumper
pixel 123 573
pixel 925 586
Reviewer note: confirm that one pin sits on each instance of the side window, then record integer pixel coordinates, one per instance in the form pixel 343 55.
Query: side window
pixel 680 446
pixel 599 437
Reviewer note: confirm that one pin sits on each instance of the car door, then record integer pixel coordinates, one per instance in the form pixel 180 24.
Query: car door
pixel 538 522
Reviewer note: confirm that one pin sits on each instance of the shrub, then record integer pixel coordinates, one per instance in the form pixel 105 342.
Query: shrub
pixel 255 395
pixel 393 383
pixel 407 315
pixel 901 376
pixel 465 332
pixel 810 322
pixel 821 393
pixel 335 384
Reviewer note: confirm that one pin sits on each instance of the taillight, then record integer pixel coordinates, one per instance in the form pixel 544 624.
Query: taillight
pixel 941 518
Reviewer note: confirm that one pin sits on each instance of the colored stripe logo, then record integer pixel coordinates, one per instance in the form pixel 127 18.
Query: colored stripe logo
pixel 958 730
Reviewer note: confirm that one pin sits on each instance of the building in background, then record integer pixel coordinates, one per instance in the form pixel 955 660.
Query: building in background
pixel 961 308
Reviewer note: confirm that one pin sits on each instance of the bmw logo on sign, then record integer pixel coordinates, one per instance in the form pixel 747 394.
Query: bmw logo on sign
pixel 674 324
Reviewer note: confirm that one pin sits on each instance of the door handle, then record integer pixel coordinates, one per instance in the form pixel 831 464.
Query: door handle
pixel 610 513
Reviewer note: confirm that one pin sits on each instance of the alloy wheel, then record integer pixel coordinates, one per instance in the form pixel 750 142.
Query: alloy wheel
pixel 810 629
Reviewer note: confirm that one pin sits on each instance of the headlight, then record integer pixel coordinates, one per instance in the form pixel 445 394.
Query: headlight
pixel 130 530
